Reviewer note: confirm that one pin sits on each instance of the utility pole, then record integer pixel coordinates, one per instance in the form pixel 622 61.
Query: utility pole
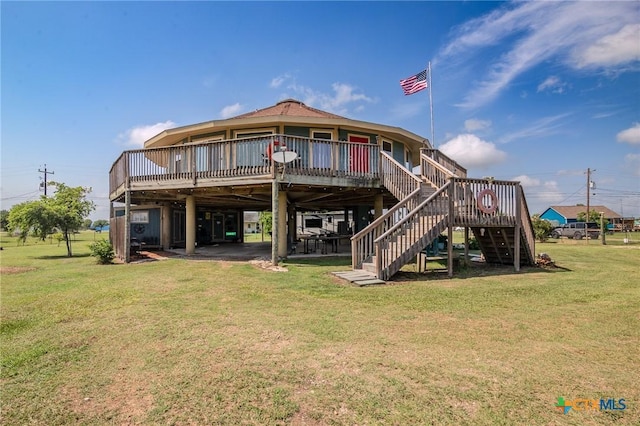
pixel 45 178
pixel 589 171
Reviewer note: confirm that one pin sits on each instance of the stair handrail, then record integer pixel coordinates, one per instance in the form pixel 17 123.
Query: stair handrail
pixel 399 180
pixel 434 172
pixel 383 271
pixel 527 224
pixel 445 161
pixel 412 212
pixel 375 228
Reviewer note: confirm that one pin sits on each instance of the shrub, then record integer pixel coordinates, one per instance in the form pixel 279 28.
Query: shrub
pixel 103 251
pixel 541 227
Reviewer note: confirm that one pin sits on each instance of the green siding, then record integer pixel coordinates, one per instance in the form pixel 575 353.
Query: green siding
pixel 297 131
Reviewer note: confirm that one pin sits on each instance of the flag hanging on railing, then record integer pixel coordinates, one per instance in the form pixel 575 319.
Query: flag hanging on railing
pixel 415 83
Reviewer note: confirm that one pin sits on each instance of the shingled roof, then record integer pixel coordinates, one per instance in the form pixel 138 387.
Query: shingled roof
pixel 571 212
pixel 289 107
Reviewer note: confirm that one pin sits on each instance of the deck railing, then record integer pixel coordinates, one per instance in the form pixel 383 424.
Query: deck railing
pixel 451 165
pixel 435 173
pixel 475 204
pixel 244 157
pixel 399 180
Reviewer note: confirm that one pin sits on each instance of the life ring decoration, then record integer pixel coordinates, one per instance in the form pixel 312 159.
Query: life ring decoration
pixel 482 198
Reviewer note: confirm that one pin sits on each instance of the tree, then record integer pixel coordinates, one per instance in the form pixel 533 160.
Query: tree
pixel 594 216
pixel 100 223
pixel 4 219
pixel 266 221
pixel 70 207
pixel 86 224
pixel 65 210
pixel 31 217
pixel 541 227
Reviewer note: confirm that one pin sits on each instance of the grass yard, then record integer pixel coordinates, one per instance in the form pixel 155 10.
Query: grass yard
pixel 206 342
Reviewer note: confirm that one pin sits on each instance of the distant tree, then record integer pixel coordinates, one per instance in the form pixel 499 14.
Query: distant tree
pixel 4 219
pixel 70 207
pixel 541 227
pixel 100 223
pixel 266 221
pixel 65 210
pixel 594 216
pixel 31 217
pixel 86 224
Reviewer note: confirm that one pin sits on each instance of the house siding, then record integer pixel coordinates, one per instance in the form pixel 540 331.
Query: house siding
pixel 552 215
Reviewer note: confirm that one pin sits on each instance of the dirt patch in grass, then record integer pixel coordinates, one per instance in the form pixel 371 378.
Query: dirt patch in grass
pixel 265 264
pixel 6 270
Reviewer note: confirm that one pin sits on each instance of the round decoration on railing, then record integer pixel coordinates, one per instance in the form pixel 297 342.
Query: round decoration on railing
pixel 138 228
pixel 482 206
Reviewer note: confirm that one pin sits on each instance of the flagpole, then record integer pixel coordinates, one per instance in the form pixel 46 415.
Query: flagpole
pixel 433 134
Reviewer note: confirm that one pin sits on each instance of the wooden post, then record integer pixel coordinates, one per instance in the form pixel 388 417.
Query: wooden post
pixel 274 221
pixel 466 245
pixel 127 225
pixel 190 243
pixel 377 206
pixel 282 224
pixel 450 228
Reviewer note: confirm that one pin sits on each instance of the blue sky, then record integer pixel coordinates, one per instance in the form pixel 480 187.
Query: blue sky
pixel 534 91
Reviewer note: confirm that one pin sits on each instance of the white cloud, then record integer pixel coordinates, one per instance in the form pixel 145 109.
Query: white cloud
pixel 632 163
pixel 231 110
pixel 473 125
pixel 470 150
pixel 578 34
pixel 545 192
pixel 543 127
pixel 630 135
pixel 527 181
pixel 612 49
pixel 552 84
pixel 277 81
pixel 136 136
pixel 338 102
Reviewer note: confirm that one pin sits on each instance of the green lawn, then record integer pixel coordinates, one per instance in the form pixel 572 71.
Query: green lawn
pixel 205 342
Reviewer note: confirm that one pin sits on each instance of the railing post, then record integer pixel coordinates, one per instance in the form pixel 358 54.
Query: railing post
pixel 452 181
pixel 192 155
pixel 517 230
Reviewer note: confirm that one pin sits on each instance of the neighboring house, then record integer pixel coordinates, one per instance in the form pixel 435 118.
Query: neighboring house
pixel 251 222
pixel 559 215
pixel 197 182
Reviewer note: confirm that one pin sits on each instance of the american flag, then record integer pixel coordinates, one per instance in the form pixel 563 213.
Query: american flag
pixel 415 83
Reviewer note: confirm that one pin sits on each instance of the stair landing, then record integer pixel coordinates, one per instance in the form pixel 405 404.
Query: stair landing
pixel 359 277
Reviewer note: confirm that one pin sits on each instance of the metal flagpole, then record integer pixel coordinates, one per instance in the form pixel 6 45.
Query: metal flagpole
pixel 433 134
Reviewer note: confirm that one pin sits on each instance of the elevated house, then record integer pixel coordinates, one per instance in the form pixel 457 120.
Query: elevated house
pixel 190 185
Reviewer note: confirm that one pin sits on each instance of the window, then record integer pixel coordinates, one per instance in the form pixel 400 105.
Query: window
pixel 321 134
pixel 140 216
pixel 249 133
pixel 386 146
pixel 321 151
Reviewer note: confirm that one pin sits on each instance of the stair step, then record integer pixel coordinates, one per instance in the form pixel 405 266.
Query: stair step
pixel 359 277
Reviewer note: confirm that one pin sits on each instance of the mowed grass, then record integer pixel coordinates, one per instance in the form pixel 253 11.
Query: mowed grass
pixel 206 342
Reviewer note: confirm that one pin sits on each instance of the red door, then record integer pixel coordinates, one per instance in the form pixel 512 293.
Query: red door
pixel 359 156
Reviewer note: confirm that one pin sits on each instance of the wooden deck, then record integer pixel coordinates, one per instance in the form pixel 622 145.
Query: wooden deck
pixel 327 174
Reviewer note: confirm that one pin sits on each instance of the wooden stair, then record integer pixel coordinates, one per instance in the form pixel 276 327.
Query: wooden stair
pixel 497 245
pixel 441 198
